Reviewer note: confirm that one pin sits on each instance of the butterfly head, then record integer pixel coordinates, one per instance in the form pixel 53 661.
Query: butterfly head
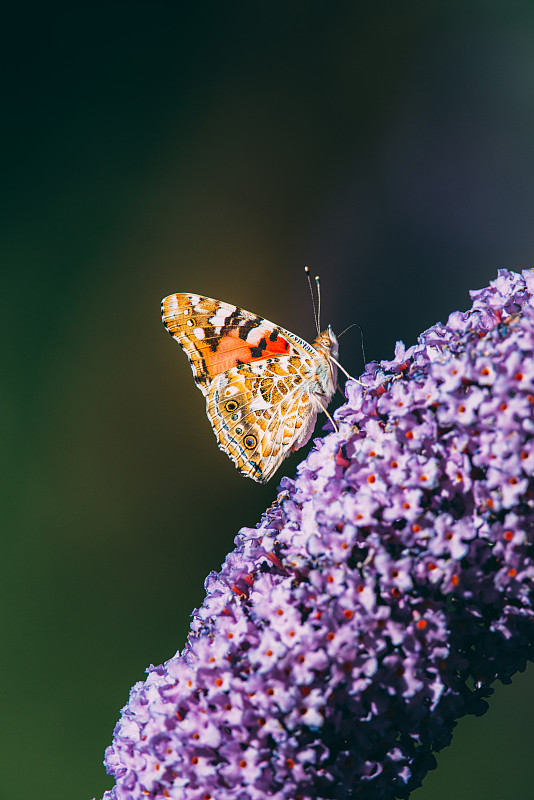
pixel 326 368
pixel 326 343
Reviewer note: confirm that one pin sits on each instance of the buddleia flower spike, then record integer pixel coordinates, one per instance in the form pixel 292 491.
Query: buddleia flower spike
pixel 380 597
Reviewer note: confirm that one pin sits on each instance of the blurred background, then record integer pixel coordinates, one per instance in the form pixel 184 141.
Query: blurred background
pixel 151 148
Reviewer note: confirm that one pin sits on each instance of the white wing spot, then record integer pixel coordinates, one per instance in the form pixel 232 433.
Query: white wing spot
pixel 198 333
pixel 217 321
pixel 190 323
pixel 256 333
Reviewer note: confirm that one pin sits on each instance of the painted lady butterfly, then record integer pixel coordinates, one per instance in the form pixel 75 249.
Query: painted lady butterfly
pixel 263 385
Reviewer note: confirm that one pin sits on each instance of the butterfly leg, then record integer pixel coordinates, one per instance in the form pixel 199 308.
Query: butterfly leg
pixel 344 371
pixel 328 415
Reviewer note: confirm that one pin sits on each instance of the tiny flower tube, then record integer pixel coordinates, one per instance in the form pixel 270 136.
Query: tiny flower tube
pixel 377 600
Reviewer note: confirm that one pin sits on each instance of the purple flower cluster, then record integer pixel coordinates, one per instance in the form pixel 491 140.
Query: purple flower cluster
pixel 378 599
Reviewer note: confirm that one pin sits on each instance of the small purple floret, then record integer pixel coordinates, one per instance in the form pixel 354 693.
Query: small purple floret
pixel 379 598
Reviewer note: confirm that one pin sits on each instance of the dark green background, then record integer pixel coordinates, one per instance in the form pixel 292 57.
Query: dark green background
pixel 151 148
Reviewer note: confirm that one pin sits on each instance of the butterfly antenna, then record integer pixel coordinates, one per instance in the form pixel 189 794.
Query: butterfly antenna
pixel 316 318
pixel 318 284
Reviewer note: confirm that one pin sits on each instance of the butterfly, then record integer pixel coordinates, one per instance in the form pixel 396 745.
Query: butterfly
pixel 263 385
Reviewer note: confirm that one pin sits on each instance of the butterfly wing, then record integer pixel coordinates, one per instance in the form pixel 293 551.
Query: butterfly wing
pixel 257 378
pixel 261 412
pixel 218 336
